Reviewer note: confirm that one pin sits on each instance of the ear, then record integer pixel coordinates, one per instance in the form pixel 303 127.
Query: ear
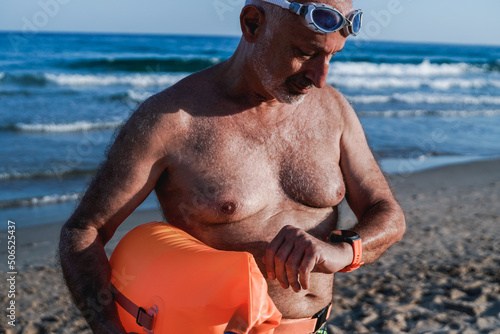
pixel 251 20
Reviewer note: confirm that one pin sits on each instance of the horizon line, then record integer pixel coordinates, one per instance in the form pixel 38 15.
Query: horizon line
pixel 117 33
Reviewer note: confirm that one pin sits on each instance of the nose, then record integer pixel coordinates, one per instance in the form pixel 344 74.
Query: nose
pixel 317 70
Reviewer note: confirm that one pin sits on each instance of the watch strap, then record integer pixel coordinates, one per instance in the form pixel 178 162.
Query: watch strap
pixel 355 241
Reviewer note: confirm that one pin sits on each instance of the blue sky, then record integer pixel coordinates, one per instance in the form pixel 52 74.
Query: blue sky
pixel 452 21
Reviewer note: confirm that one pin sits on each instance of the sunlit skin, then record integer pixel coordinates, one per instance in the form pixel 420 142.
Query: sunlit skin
pixel 297 56
pixel 239 168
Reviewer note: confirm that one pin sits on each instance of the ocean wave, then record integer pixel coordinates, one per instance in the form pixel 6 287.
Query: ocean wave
pixel 27 79
pixel 412 98
pixel 76 80
pixel 374 83
pixel 15 175
pixel 67 127
pixel 424 69
pixel 138 80
pixel 414 83
pixel 369 99
pixel 39 200
pixel 447 99
pixel 2 75
pixel 145 64
pixel 424 113
pixel 493 65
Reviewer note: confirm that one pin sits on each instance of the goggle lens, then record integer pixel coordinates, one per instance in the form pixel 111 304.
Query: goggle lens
pixel 356 23
pixel 327 20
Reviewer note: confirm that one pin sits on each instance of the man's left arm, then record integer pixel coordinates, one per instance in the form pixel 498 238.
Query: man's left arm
pixel 381 221
pixel 293 254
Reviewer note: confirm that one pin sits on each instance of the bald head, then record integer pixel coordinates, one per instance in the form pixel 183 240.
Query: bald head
pixel 343 5
pixel 277 16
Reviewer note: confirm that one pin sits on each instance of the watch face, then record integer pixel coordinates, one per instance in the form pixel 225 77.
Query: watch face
pixel 351 235
pixel 347 236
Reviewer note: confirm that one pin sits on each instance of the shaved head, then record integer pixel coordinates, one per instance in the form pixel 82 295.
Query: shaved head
pixel 278 15
pixel 343 5
pixel 277 18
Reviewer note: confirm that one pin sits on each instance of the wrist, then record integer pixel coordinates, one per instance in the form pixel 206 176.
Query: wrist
pixel 352 244
pixel 348 252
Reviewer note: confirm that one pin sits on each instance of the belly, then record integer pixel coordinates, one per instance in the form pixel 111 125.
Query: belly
pixel 255 233
pixel 305 303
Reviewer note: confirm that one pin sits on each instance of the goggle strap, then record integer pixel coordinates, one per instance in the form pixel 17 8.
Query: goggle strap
pixel 302 10
pixel 282 3
pixel 347 30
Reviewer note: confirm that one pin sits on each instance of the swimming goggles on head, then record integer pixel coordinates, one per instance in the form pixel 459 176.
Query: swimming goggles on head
pixel 323 18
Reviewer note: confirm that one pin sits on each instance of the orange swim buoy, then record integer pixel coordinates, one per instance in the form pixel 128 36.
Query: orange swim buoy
pixel 166 280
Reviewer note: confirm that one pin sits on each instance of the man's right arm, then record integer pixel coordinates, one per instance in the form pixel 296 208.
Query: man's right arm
pixel 133 166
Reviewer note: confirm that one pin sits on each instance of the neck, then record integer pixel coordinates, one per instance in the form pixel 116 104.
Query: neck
pixel 241 82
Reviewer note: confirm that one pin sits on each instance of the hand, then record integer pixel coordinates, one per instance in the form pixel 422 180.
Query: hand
pixel 293 254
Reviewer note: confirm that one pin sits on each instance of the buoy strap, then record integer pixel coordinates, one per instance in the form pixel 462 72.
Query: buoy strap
pixel 142 317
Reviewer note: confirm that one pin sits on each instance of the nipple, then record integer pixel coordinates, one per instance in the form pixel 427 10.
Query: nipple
pixel 228 208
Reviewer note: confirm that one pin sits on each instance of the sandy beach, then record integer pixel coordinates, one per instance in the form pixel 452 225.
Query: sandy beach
pixel 443 277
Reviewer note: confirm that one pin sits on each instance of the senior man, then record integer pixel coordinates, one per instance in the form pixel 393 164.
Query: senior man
pixel 253 154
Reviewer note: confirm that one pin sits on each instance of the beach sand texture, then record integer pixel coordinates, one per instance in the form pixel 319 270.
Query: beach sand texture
pixel 443 277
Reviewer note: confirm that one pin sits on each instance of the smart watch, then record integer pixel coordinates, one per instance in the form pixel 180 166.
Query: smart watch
pixel 353 239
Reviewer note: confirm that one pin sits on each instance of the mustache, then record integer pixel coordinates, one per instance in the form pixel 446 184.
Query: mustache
pixel 301 81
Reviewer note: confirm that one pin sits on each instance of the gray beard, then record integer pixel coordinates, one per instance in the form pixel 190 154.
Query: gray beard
pixel 272 85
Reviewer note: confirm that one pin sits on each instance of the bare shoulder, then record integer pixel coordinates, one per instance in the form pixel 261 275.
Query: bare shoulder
pixel 182 101
pixel 163 122
pixel 337 106
pixel 164 117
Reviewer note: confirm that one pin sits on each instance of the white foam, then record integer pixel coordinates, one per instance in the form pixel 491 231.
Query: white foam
pixel 138 80
pixel 2 75
pixel 137 96
pixel 374 83
pixel 443 84
pixel 425 69
pixel 422 113
pixel 47 173
pixel 68 127
pixel 4 176
pixel 442 77
pixel 408 166
pixel 40 200
pixel 413 98
pixel 436 98
pixel 369 99
pixel 446 84
pixel 53 199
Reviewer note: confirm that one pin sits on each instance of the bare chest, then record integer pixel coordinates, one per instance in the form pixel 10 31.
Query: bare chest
pixel 227 172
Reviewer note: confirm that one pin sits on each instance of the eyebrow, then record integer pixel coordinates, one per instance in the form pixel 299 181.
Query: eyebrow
pixel 320 49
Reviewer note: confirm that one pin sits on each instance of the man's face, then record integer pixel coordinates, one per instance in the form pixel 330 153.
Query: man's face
pixel 291 59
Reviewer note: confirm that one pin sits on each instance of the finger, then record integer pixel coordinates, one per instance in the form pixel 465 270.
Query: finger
pixel 292 268
pixel 280 261
pixel 271 250
pixel 306 267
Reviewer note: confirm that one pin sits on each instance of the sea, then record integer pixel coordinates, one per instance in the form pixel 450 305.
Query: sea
pixel 63 96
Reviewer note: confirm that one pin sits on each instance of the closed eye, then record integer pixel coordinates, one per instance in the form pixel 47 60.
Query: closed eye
pixel 305 54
